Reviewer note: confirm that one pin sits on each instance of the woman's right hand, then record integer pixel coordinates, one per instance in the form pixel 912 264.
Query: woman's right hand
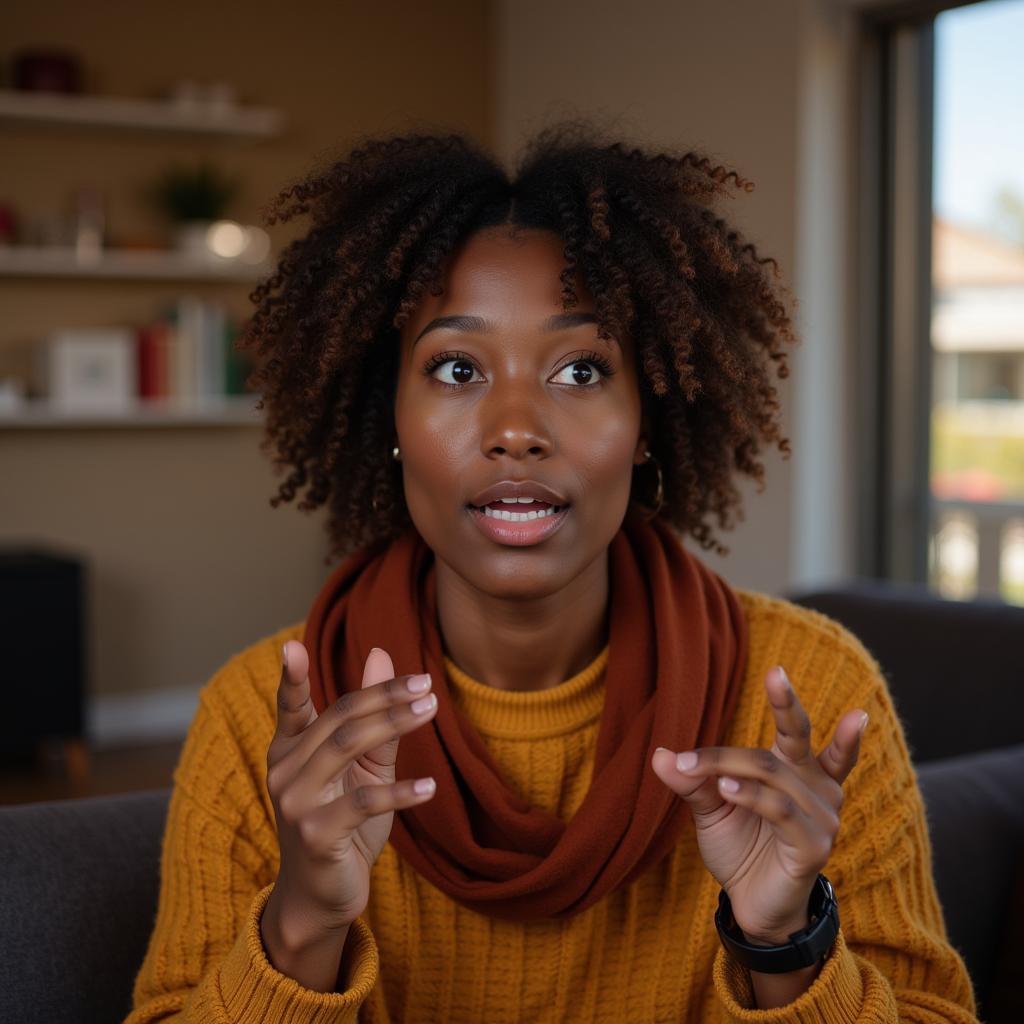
pixel 331 778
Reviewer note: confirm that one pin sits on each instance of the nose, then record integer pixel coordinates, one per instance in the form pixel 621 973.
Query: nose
pixel 514 423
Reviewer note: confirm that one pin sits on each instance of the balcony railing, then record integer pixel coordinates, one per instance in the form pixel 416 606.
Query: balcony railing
pixel 976 549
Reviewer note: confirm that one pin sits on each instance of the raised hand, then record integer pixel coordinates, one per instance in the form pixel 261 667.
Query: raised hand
pixel 331 778
pixel 767 819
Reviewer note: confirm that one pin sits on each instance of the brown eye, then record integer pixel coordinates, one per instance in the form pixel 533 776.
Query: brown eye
pixel 461 369
pixel 583 372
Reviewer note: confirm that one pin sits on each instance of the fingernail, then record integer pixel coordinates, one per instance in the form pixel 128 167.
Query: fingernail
pixel 729 785
pixel 424 786
pixel 863 725
pixel 417 684
pixel 284 655
pixel 656 749
pixel 686 760
pixel 424 704
pixel 372 649
pixel 784 677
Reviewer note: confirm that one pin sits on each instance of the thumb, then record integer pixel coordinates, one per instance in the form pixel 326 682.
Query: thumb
pixel 700 793
pixel 380 760
pixel 378 668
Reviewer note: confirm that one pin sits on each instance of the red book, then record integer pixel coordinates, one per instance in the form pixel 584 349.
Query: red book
pixel 151 340
pixel 161 344
pixel 146 351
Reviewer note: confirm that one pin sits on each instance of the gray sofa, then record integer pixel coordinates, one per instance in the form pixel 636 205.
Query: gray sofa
pixel 80 882
pixel 956 673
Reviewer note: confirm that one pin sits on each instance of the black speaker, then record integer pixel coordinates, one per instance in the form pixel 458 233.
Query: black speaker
pixel 42 648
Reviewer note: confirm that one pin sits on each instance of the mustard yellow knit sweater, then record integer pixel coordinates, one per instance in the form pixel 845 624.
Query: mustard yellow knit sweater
pixel 648 952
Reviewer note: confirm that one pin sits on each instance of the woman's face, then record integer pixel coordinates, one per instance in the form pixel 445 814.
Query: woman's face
pixel 496 385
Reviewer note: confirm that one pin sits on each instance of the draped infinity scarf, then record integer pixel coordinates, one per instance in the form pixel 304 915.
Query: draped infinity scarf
pixel 676 661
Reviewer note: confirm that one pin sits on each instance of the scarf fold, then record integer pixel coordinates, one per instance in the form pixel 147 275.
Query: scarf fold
pixel 676 663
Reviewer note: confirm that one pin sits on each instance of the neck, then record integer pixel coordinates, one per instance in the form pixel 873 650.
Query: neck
pixel 524 643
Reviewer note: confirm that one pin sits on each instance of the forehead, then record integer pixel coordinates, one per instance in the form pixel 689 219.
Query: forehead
pixel 502 277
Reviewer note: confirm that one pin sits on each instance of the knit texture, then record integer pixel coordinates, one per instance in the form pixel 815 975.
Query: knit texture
pixel 647 952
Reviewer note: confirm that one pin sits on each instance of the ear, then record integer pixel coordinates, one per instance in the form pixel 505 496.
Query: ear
pixel 643 441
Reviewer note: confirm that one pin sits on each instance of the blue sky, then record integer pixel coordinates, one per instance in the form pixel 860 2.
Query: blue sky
pixel 979 108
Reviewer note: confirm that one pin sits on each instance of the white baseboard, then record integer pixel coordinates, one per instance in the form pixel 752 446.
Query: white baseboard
pixel 132 719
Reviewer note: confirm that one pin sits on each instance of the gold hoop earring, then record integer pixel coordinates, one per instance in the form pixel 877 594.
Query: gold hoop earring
pixel 660 496
pixel 373 501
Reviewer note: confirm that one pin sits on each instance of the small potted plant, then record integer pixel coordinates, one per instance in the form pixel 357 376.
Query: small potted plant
pixel 192 199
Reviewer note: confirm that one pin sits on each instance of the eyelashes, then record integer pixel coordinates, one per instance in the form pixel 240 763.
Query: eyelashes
pixel 594 358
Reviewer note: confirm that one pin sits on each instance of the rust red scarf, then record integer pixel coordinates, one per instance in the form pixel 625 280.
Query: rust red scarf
pixel 676 662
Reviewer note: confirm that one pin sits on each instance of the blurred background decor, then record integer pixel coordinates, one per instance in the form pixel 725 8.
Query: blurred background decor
pixel 192 198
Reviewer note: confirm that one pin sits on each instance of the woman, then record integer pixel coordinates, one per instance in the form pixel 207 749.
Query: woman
pixel 604 799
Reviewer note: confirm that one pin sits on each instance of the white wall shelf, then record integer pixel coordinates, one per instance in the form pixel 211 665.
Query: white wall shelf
pixel 82 111
pixel 124 265
pixel 222 411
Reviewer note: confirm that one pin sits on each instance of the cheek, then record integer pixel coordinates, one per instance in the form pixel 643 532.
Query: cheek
pixel 436 451
pixel 603 452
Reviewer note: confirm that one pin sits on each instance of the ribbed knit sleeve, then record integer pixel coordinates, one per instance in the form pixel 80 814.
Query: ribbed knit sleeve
pixel 206 961
pixel 891 960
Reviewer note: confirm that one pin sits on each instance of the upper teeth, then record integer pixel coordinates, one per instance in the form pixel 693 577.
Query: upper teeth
pixel 513 501
pixel 517 517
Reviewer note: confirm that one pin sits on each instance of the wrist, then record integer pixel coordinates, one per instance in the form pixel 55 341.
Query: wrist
pixel 297 928
pixel 776 938
pixel 313 957
pixel 791 951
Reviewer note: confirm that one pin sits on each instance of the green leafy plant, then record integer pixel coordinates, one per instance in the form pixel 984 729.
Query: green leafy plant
pixel 199 193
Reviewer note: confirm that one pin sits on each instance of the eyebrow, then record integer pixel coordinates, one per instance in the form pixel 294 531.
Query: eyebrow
pixel 556 322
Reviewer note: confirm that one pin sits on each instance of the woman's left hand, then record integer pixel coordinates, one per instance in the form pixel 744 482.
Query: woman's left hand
pixel 766 842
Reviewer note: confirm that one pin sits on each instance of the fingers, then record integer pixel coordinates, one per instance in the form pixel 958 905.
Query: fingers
pixel 811 837
pixel 792 726
pixel 287 755
pixel 295 709
pixel 352 739
pixel 700 793
pixel 379 669
pixel 744 763
pixel 321 827
pixel 839 757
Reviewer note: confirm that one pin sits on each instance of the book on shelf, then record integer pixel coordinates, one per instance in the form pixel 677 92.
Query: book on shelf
pixel 186 355
pixel 189 353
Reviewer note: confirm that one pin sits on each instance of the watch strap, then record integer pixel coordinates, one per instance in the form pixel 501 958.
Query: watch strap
pixel 805 947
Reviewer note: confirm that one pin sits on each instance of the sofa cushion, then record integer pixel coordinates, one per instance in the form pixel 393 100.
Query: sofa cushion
pixel 79 892
pixel 954 668
pixel 975 810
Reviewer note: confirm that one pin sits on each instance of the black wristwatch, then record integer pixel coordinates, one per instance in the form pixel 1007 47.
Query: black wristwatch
pixel 805 947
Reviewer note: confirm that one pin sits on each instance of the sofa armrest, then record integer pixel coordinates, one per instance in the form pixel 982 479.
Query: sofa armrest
pixel 975 809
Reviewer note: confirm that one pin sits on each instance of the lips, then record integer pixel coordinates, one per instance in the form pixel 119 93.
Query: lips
pixel 519 489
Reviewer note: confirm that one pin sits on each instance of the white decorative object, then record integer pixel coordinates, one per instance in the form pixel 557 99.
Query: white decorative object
pixel 190 238
pixel 12 395
pixel 87 369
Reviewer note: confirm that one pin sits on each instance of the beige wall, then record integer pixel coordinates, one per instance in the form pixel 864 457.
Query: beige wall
pixel 187 561
pixel 721 77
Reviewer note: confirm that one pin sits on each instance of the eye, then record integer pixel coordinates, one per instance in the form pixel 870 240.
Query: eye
pixel 581 374
pixel 461 368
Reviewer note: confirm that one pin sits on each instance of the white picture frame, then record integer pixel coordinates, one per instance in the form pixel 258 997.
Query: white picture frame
pixel 88 369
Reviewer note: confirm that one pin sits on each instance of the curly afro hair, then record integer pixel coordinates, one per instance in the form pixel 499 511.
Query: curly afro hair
pixel 706 317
